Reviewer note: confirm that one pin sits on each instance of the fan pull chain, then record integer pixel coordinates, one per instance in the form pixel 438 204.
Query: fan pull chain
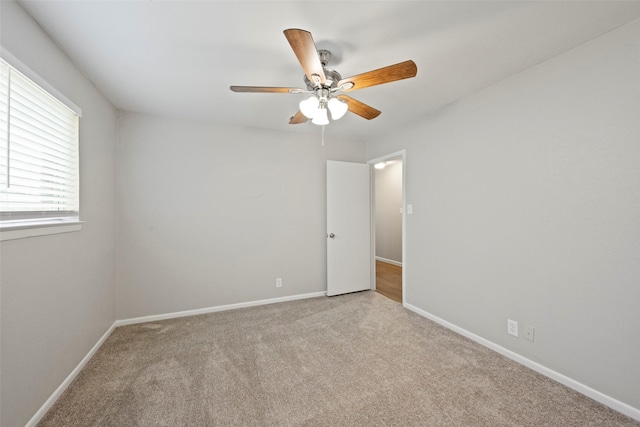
pixel 323 136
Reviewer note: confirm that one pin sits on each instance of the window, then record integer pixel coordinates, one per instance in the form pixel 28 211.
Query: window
pixel 39 179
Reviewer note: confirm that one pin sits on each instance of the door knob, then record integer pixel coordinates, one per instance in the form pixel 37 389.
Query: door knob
pixel 332 235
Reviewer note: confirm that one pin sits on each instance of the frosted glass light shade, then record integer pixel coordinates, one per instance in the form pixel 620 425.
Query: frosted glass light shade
pixel 338 108
pixel 321 117
pixel 309 107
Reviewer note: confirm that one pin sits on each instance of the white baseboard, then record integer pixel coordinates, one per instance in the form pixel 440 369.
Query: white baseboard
pixel 609 401
pixel 388 261
pixel 58 392
pixel 206 310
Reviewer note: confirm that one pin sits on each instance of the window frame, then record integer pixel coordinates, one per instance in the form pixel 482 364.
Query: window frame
pixel 38 224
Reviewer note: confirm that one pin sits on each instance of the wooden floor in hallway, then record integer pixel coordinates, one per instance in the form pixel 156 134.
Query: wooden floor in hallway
pixel 389 280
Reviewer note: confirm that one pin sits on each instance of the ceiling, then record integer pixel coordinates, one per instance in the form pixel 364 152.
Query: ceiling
pixel 178 58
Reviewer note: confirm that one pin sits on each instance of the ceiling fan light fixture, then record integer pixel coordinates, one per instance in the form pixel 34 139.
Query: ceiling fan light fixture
pixel 321 117
pixel 309 106
pixel 337 108
pixel 324 82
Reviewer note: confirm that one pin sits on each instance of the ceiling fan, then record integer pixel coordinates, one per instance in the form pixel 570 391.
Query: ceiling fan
pixel 324 83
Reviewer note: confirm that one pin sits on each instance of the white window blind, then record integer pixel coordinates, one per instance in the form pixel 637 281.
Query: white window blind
pixel 38 151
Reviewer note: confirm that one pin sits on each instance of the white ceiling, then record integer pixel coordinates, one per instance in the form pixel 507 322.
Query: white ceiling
pixel 178 58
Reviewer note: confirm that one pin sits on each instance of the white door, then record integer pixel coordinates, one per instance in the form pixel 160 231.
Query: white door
pixel 348 228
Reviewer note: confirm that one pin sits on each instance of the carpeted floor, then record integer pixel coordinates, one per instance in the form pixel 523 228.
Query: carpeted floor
pixel 353 360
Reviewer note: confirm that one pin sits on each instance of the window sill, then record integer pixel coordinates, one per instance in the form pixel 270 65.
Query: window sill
pixel 34 229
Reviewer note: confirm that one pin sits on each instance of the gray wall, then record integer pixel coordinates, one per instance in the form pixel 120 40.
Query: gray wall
pixel 526 202
pixel 211 215
pixel 388 202
pixel 57 292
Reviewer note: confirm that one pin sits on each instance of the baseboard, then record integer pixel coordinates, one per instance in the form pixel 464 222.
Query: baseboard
pixel 214 309
pixel 58 392
pixel 609 401
pixel 388 261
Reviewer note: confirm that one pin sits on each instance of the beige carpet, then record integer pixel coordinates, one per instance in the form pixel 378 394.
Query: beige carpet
pixel 352 360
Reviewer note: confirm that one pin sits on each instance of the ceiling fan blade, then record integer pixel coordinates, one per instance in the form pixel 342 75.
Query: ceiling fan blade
pixel 392 73
pixel 303 46
pixel 298 118
pixel 263 89
pixel 360 108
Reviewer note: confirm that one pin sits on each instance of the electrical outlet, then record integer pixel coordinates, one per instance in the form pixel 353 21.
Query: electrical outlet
pixel 279 282
pixel 528 333
pixel 512 327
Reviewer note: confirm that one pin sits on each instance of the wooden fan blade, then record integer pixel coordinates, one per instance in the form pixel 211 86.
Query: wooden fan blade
pixel 263 89
pixel 392 73
pixel 298 118
pixel 360 108
pixel 303 46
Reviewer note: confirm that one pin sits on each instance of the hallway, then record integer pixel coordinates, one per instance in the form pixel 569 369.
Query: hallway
pixel 389 280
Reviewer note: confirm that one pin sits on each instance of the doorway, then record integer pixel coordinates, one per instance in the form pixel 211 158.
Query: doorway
pixel 388 225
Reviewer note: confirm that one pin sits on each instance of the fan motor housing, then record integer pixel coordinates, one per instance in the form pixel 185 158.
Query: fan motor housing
pixel 332 79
